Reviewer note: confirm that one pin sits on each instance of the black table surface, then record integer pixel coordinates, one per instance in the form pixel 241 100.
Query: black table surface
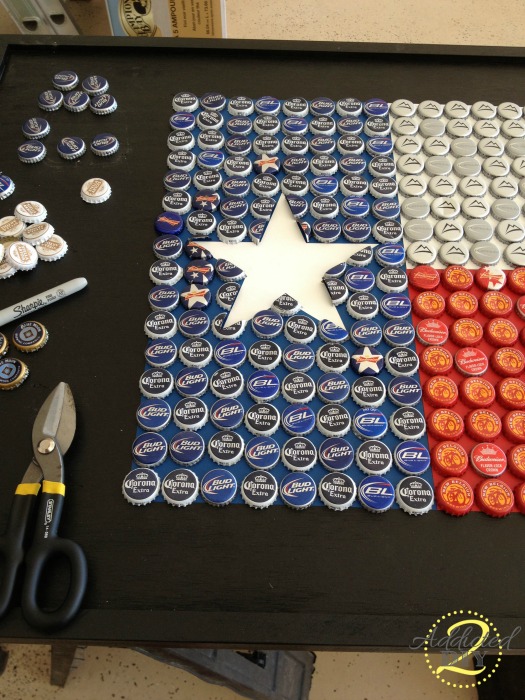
pixel 203 576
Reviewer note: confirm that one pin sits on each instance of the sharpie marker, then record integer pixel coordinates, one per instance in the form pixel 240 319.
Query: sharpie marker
pixel 13 313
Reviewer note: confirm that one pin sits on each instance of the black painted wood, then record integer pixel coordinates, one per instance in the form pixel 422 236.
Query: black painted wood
pixel 201 576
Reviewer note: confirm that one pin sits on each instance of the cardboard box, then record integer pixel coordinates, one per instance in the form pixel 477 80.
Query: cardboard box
pixel 197 19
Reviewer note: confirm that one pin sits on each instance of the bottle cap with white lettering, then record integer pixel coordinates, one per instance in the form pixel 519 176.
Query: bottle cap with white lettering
pixel 414 495
pixel 298 491
pixel 180 487
pixel 50 100
pixel 161 353
pixel 141 486
pixel 218 487
pixel 31 151
pixel 104 145
pixel 30 336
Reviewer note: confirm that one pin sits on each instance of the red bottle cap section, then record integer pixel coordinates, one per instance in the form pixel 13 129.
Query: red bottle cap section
pixel 436 360
pixel 514 426
pixel 431 331
pixel 488 460
pixel 516 461
pixel 495 304
pixel 494 498
pixel 490 278
pixel 455 496
pixel 423 277
pixel 508 362
pixel 520 307
pixel 519 497
pixel 477 392
pixel 445 424
pixel 466 332
pixel 483 425
pixel 471 362
pixel 501 332
pixel 428 305
pixel 449 458
pixel 441 392
pixel 516 280
pixel 456 278
pixel 511 393
pixel 462 304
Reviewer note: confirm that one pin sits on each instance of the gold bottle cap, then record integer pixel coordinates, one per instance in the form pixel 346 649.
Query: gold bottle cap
pixel 13 373
pixel 30 336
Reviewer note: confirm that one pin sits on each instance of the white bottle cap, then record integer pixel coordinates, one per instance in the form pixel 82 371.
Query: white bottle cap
pixel 95 190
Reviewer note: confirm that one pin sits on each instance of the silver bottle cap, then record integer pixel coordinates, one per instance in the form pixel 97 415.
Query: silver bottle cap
pixel 404 126
pixel 503 188
pixel 515 254
pixel 456 110
pixel 412 186
pixel 445 208
pixel 513 129
pixel 515 148
pixel 454 253
pixel 402 108
pixel 431 127
pixel 505 209
pixel 518 167
pixel 458 128
pixel 483 110
pixel 418 230
pixel 509 110
pixel 485 253
pixel 408 145
pixel 438 165
pixel 436 146
pixel 472 186
pixel 448 231
pixel 490 148
pixel 475 208
pixel 464 167
pixel 477 230
pixel 495 167
pixel 442 186
pixel 410 164
pixel 430 108
pixel 486 129
pixel 415 208
pixel 464 147
pixel 421 253
pixel 510 231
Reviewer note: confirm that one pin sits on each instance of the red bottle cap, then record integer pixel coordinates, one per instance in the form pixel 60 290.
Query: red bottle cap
pixel 462 304
pixel 477 392
pixel 449 458
pixel 516 280
pixel 514 426
pixel 431 331
pixel 441 392
pixel 491 277
pixel 516 461
pixel 457 277
pixel 522 336
pixel 519 497
pixel 424 277
pixel 508 362
pixel 494 498
pixel 483 425
pixel 511 393
pixel 428 304
pixel 488 460
pixel 501 332
pixel 436 360
pixel 466 332
pixel 471 362
pixel 494 304
pixel 455 496
pixel 445 424
pixel 520 307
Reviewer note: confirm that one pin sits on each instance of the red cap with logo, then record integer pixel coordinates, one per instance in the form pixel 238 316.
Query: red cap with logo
pixel 508 362
pixel 436 360
pixel 483 425
pixel 495 304
pixel 440 392
pixel 501 332
pixel 462 304
pixel 445 424
pixel 488 460
pixel 519 497
pixel 457 277
pixel 429 304
pixel 516 461
pixel 449 458
pixel 511 393
pixel 516 280
pixel 455 496
pixel 471 362
pixel 514 426
pixel 477 392
pixel 432 331
pixel 424 277
pixel 466 332
pixel 494 498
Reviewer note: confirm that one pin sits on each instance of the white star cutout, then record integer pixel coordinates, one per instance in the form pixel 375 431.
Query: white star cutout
pixel 283 263
pixel 367 360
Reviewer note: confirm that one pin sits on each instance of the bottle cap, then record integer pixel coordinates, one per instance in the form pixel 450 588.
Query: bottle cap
pixel 494 497
pixel 226 448
pixel 466 332
pixel 398 333
pixel 471 362
pixel 165 272
pixel 495 304
pixel 516 461
pixel 431 331
pixel 262 452
pixel 30 212
pixel 369 424
pixel 6 270
pixel 195 352
pixel 4 344
pixel 501 332
pixel 180 487
pixel 332 357
pixel 330 331
pixel 76 101
pixel 510 393
pixel 337 491
pixel 103 104
pixel 477 392
pixel 296 357
pixel 299 454
pixel 167 247
pixel 190 414
pixel 191 382
pixel 218 487
pixel 199 273
pixel 160 324
pixel 53 249
pixel 429 304
pixel 488 460
pixel 411 457
pixel 187 447
pixel 161 353
pixel 285 305
pixel 154 414
pixel 30 336
pixel 240 106
pixel 457 278
pixel 7 187
pixel 259 489
pixel 395 306
pixel 156 383
pixel 298 420
pixel 516 280
pixel 13 373
pixel 360 279
pixel 391 279
pixel 407 424
pixel 455 496
pixel 96 85
pixel 182 121
pixel 227 414
pixel 95 191
pixel 450 458
pixel 229 353
pixel 298 387
pixel 363 305
pixel 38 233
pixel 220 330
pixel 195 296
pixel 333 420
pixel 367 362
pixel 483 425
pixel 141 486
pixel 462 304
pixel 374 457
pixel 21 256
pixel 508 362
pixel 390 254
pixel 264 354
pixel 514 425
pixel 297 329
pixel 519 497
pixel 50 100
pixel 414 495
pixel 262 419
pixel 402 362
pixel 149 450
pixel 267 324
pixel 436 360
pixel 376 494
pixel 298 491
pixel 369 391
pixel 295 107
pixel 226 295
pixel 404 391
pixel 31 152
pixel 441 392
pixel 445 424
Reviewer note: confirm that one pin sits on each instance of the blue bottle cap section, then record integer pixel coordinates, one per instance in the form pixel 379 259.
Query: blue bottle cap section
pixel 281 427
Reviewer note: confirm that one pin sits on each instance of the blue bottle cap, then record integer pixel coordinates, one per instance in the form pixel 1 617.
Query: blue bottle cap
pixel 367 362
pixel 191 382
pixel 103 104
pixel 392 279
pixel 294 145
pixel 263 385
pixel 407 423
pixel 379 146
pixel 363 256
pixel 71 147
pixel 369 424
pixel 181 160
pixel 50 100
pixel 354 186
pixel 65 80
pixel 395 306
pixel 355 206
pixel 324 207
pixel 401 362
pixel 229 353
pixel 160 324
pixel 298 491
pixel 360 279
pixel 390 254
pixel 267 324
pixel 149 449
pixel 213 101
pixel 256 230
pixel 350 125
pixel 374 457
pixel 262 452
pixel 352 165
pixel 223 331
pixel 104 145
pixel 376 107
pixel 218 487
pixel 262 208
pixel 295 107
pixel 325 185
pixel 227 414
pixel 295 125
pixel 240 105
pixel 31 151
pixel 165 272
pixel 266 144
pixel 207 140
pixel 296 165
pixel 195 352
pixel 336 454
pixel 238 146
pixel 187 447
pixel 350 145
pixel 167 247
pixel 330 331
pixel 239 126
pixel 398 333
pixel 190 414
pixel 411 457
pixel 306 229
pixel 322 144
pixel 295 184
pixel 176 180
pixel 234 208
pixel 199 272
pixel 161 353
pixel 299 454
pixel 226 448
pixel 182 120
pixel 356 230
pixel 214 160
pixel 376 494
pixel 333 387
pixel 141 486
pixel 206 200
pixel 349 106
pixel 36 128
pixel 236 187
pixel 196 251
pixel 178 202
pixel 322 106
pixel 298 420
pixel 337 491
pixel 95 85
pixel 266 124
pixel 404 391
pixel 169 222
pixel 239 166
pixel 231 231
pixel 268 105
pixel 207 180
pixel 336 271
pixel 259 489
pixel 76 101
pixel 298 205
pixel 193 324
pixel 210 121
pixel 298 357
pixel 385 208
pixel 382 166
pixel 154 414
pixel 180 487
pixel 366 333
pixel 322 125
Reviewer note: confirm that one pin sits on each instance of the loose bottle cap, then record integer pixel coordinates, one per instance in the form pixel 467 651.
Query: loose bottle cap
pixel 50 100
pixel 494 498
pixel 376 494
pixel 13 373
pixel 7 187
pixel 103 104
pixel 95 191
pixel 20 256
pixel 450 458
pixel 337 491
pixel 298 491
pixel 180 487
pixel 488 460
pixel 195 352
pixel 508 362
pixel 411 457
pixel 218 487
pixel 226 448
pixel 402 362
pixel 455 496
pixel 156 383
pixel 259 489
pixel 154 414
pixel 161 353
pixel 54 248
pixel 186 447
pixel 190 414
pixel 432 332
pixel 97 85
pixel 141 486
pixel 471 362
pixel 477 392
pixel 30 212
pixel 31 152
pixel 29 336
pixel 38 233
pixel 466 332
pixel 445 424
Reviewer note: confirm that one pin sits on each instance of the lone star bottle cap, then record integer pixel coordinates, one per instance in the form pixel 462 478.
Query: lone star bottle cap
pixel 30 336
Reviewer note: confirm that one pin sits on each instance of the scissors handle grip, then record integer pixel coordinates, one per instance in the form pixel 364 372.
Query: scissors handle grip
pixel 12 542
pixel 46 546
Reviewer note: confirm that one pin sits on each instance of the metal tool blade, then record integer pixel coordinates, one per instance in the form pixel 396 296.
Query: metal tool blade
pixel 56 419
